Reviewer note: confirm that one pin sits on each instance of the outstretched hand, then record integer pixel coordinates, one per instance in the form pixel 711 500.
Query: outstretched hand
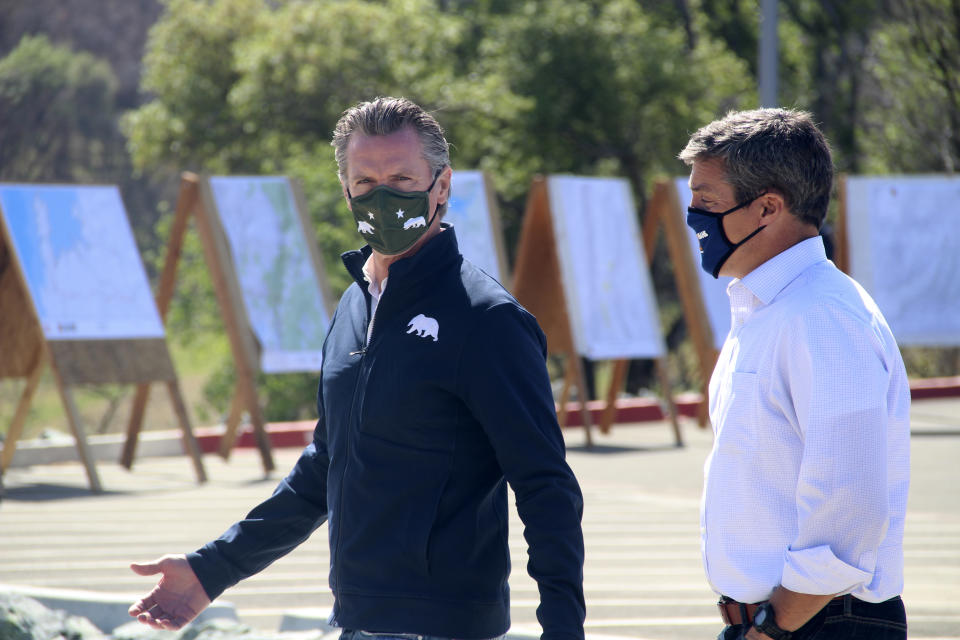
pixel 178 597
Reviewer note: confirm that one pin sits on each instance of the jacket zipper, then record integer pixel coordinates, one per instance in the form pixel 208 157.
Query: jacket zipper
pixel 363 350
pixel 353 403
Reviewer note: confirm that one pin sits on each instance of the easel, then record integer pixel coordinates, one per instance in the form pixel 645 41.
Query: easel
pixel 495 263
pixel 538 285
pixel 196 199
pixel 26 349
pixel 664 210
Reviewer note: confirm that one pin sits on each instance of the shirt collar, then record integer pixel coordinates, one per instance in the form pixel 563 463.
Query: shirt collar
pixel 772 277
pixel 372 288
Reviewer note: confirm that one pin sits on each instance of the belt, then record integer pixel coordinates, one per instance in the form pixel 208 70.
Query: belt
pixel 734 612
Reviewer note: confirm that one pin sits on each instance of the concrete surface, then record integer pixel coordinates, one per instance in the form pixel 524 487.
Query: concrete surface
pixel 643 575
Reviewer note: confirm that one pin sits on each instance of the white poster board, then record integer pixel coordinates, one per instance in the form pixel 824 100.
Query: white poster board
pixel 469 212
pixel 610 300
pixel 279 285
pixel 80 261
pixel 714 290
pixel 905 250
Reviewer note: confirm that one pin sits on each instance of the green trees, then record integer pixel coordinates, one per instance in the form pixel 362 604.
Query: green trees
pixel 596 87
pixel 526 87
pixel 913 124
pixel 58 115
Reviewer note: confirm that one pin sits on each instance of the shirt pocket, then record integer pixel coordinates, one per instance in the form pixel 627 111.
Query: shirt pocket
pixel 739 411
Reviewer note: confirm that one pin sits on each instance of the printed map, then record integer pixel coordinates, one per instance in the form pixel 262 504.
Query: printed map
pixel 610 299
pixel 280 287
pixel 80 261
pixel 905 251
pixel 468 211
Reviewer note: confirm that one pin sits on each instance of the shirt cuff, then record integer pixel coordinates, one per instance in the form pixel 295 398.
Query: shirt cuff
pixel 818 571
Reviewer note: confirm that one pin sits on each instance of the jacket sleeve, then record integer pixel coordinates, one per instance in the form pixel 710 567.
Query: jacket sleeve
pixel 273 528
pixel 507 388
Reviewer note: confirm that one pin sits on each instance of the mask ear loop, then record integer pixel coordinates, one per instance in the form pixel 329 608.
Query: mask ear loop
pixel 429 189
pixel 436 177
pixel 735 246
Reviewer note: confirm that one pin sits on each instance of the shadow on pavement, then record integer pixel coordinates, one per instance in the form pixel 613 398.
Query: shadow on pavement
pixel 40 492
pixel 606 449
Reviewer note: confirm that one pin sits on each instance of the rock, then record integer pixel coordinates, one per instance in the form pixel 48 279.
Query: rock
pixel 23 618
pixel 134 630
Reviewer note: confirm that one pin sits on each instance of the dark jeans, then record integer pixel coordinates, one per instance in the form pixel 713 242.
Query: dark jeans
pixel 847 619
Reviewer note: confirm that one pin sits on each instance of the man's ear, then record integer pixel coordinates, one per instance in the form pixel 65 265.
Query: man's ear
pixel 443 182
pixel 772 203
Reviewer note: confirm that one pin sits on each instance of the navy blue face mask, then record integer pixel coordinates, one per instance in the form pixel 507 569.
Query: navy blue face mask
pixel 715 246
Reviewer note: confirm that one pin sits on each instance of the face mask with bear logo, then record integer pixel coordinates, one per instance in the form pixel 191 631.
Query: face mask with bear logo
pixel 390 220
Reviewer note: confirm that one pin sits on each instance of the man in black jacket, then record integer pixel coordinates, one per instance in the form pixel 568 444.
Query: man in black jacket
pixel 433 395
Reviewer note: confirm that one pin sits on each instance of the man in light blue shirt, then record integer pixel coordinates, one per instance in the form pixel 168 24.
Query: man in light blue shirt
pixel 805 490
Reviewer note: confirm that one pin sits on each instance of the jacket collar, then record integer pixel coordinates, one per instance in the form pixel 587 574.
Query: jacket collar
pixel 409 273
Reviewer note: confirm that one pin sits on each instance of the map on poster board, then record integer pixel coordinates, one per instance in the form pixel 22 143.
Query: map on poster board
pixel 80 262
pixel 469 212
pixel 714 290
pixel 279 285
pixel 610 300
pixel 905 251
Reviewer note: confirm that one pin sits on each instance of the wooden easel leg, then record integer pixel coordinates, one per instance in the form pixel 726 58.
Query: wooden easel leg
pixel 667 393
pixel 140 397
pixel 616 383
pixel 73 417
pixel 20 417
pixel 229 437
pixel 263 440
pixel 581 380
pixel 189 441
pixel 565 394
pixel 703 409
pixel 248 396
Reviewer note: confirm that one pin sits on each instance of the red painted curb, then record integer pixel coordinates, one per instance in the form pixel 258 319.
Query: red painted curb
pixel 927 388
pixel 282 434
pixel 633 409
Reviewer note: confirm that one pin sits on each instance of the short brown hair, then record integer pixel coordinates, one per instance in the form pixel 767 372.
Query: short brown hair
pixel 763 149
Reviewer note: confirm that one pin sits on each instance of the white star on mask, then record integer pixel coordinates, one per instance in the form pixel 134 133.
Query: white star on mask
pixel 370 213
pixel 399 213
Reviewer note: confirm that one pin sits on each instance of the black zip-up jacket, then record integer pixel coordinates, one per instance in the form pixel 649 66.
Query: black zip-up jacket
pixel 418 434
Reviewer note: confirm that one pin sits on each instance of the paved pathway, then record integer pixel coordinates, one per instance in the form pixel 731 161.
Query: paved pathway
pixel 643 576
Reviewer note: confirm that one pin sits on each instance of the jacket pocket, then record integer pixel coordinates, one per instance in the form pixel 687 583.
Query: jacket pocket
pixel 389 514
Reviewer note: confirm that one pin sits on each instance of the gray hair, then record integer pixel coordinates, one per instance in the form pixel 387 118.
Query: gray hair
pixel 383 116
pixel 780 149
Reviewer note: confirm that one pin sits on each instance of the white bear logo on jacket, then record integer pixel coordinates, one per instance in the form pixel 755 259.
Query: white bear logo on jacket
pixel 424 327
